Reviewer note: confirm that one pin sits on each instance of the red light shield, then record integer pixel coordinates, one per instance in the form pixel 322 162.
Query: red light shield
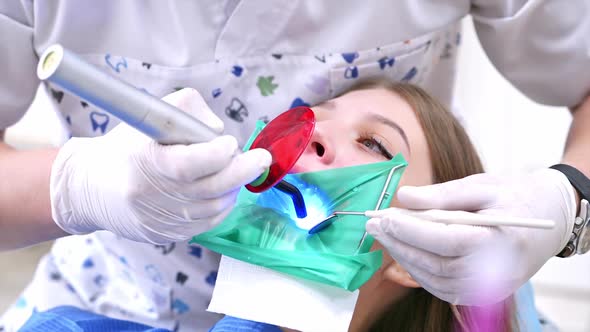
pixel 285 137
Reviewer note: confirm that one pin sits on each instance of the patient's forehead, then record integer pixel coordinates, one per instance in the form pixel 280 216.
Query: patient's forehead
pixel 378 100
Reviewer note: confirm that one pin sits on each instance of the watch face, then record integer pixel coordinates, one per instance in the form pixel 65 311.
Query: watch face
pixel 584 235
pixel 584 241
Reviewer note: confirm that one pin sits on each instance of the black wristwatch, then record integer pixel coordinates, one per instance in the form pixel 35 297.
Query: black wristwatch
pixel 579 242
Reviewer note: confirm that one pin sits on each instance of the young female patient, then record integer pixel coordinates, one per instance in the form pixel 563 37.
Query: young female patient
pixel 372 123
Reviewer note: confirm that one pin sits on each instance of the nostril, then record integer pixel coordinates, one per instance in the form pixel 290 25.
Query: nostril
pixel 318 148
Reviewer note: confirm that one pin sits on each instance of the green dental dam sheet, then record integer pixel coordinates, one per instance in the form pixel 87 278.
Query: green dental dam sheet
pixel 263 229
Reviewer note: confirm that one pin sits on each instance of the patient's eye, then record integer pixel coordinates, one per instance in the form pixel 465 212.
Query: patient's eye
pixel 375 145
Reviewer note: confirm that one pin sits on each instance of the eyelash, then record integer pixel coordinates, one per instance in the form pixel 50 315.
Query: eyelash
pixel 380 148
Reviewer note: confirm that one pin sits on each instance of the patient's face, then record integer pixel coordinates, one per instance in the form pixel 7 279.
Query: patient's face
pixel 361 127
pixel 367 126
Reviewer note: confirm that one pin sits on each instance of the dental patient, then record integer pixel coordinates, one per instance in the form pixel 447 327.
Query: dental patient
pixel 372 123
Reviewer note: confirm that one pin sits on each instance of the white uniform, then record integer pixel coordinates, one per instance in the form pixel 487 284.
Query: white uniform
pixel 252 60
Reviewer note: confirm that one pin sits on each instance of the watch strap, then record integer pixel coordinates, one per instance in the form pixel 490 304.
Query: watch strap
pixel 576 178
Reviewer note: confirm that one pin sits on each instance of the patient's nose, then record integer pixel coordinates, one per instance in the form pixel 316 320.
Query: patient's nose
pixel 318 155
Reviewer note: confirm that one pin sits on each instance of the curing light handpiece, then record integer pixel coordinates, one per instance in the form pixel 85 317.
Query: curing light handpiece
pixel 155 118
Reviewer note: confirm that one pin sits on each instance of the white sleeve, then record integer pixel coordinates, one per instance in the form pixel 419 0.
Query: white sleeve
pixel 541 46
pixel 18 60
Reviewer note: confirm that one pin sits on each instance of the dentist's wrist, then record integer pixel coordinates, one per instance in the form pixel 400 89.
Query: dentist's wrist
pixel 579 240
pixel 67 191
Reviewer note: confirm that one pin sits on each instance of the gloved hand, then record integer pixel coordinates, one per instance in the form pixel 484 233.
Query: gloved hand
pixel 476 265
pixel 128 184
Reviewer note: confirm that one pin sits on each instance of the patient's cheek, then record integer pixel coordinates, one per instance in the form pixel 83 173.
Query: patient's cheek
pixel 376 246
pixel 395 202
pixel 386 258
pixel 392 271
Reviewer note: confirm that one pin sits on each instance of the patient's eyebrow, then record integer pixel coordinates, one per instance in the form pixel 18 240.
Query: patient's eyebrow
pixel 388 122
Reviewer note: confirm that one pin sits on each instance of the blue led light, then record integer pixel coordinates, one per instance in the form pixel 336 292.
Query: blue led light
pixel 316 202
pixel 317 209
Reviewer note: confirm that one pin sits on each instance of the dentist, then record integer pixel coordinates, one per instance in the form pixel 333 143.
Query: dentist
pixel 132 204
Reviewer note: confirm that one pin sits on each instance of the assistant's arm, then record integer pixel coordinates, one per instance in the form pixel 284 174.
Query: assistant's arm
pixel 543 48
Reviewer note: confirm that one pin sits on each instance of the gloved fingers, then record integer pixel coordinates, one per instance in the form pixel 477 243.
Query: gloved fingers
pixel 168 211
pixel 442 239
pixel 452 290
pixel 490 281
pixel 153 224
pixel 433 284
pixel 208 208
pixel 191 101
pixel 243 169
pixel 452 267
pixel 154 233
pixel 217 219
pixel 187 163
pixel 167 228
pixel 472 193
pixel 198 226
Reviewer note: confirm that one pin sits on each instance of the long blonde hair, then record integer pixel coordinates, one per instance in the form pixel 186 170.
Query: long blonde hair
pixel 452 156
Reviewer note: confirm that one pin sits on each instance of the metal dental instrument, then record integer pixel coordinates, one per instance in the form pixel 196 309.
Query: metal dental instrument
pixel 380 201
pixel 332 217
pixel 155 118
pixel 445 217
pixel 440 216
pixel 469 218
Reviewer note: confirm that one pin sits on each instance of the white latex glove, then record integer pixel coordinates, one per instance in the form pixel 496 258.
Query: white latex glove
pixel 128 184
pixel 476 265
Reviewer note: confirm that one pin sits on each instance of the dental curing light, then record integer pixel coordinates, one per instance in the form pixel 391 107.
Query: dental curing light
pixel 167 124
